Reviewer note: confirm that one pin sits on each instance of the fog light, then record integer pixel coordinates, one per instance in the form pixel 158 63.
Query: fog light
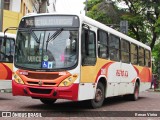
pixel 70 79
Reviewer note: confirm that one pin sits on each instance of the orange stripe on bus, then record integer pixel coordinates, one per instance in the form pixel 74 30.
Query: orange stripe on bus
pixel 6 72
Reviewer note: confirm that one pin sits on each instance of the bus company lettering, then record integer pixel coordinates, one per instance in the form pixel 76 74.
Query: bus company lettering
pixel 122 73
pixel 103 71
pixel 23 72
pixel 34 58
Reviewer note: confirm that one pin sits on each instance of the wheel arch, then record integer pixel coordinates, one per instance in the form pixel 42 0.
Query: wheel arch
pixel 138 81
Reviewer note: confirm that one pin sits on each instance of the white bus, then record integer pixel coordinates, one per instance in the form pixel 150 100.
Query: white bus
pixel 68 56
pixel 6 60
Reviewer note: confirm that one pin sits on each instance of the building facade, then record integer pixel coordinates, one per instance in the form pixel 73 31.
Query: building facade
pixel 14 10
pixel 43 6
pixel 52 6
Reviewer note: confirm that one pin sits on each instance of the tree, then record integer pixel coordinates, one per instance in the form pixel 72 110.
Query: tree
pixel 103 12
pixel 144 24
pixel 142 16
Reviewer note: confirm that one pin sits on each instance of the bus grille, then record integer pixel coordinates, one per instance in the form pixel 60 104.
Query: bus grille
pixel 44 83
pixel 40 91
pixel 43 76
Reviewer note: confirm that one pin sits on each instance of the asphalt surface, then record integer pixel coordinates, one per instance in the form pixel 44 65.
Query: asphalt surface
pixel 19 107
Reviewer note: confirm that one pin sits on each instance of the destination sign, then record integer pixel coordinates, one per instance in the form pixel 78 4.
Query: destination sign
pixel 50 21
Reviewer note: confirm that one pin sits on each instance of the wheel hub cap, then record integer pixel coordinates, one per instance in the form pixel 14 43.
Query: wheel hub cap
pixel 98 96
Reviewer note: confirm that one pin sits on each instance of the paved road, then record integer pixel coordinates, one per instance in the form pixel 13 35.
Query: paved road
pixel 148 101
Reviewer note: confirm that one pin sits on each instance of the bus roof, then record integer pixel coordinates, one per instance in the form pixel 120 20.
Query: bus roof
pixel 9 35
pixel 97 24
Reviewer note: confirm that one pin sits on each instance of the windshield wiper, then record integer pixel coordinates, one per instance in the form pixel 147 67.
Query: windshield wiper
pixel 53 36
pixel 34 36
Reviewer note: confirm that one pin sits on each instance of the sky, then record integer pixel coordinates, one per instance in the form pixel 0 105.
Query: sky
pixel 70 6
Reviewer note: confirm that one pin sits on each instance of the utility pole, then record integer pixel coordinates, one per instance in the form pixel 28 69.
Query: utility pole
pixel 124 26
pixel 1 14
pixel 86 7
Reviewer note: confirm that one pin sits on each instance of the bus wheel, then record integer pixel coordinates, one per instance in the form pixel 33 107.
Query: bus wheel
pixel 48 101
pixel 99 96
pixel 135 95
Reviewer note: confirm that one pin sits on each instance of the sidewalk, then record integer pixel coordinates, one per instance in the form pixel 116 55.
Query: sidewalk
pixel 157 90
pixel 154 90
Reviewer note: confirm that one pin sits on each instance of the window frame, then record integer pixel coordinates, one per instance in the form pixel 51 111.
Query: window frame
pixel 133 54
pixel 7 4
pixel 95 48
pixel 129 54
pixel 119 51
pixel 142 56
pixel 149 59
pixel 104 45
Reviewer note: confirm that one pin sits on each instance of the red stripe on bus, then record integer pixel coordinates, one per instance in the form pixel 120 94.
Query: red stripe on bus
pixel 106 66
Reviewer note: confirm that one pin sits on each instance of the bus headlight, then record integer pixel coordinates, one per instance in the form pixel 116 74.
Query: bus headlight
pixel 18 79
pixel 68 81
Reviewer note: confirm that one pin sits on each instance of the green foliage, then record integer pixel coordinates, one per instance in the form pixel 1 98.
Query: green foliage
pixel 101 11
pixel 156 56
pixel 92 3
pixel 98 15
pixel 157 25
pixel 143 17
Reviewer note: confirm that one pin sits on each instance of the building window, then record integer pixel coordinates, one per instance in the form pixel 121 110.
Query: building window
pixel 6 4
pixel 24 9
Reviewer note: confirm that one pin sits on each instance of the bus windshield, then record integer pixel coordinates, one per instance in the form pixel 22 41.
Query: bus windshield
pixel 46 49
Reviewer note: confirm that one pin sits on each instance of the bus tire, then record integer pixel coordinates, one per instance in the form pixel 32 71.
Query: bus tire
pixel 48 101
pixel 99 96
pixel 135 95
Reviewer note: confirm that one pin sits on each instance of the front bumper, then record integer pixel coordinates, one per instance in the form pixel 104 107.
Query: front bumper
pixel 70 92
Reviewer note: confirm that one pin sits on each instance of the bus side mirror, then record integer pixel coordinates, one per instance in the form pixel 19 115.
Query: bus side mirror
pixel 5 36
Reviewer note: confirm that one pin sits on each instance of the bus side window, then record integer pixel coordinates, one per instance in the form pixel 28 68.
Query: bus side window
pixel 1 49
pixel 134 54
pixel 6 50
pixel 114 52
pixel 3 56
pixel 141 56
pixel 102 44
pixel 125 49
pixel 147 58
pixel 88 48
pixel 9 50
